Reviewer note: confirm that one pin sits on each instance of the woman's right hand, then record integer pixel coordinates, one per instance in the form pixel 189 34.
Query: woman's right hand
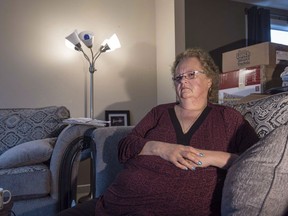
pixel 184 157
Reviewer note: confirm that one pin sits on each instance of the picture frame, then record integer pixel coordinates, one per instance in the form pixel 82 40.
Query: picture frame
pixel 117 117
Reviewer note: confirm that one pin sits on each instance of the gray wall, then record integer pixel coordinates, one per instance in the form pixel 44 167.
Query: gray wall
pixel 217 26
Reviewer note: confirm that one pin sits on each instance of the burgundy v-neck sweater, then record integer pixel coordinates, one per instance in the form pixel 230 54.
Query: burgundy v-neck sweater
pixel 150 185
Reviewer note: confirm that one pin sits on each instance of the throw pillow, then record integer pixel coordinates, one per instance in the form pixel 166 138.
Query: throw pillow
pixel 265 114
pixel 26 124
pixel 257 182
pixel 28 153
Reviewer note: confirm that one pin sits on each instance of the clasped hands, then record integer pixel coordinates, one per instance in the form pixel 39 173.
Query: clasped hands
pixel 187 157
pixel 184 157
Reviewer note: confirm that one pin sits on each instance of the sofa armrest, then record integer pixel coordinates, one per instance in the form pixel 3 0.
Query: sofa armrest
pixel 65 160
pixel 105 156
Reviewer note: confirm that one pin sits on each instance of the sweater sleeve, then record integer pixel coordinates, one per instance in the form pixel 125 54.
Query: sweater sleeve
pixel 246 137
pixel 132 144
pixel 244 134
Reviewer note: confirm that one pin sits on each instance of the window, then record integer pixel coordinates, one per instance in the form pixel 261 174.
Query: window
pixel 279 29
pixel 280 37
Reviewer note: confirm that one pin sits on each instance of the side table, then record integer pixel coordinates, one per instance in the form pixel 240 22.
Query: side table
pixel 6 211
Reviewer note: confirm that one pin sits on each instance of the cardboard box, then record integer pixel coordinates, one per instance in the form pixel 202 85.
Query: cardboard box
pixel 237 84
pixel 259 54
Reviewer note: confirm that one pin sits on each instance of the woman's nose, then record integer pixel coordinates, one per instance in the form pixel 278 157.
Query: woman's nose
pixel 184 79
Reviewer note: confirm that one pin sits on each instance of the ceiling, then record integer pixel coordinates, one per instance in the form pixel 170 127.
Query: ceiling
pixel 279 4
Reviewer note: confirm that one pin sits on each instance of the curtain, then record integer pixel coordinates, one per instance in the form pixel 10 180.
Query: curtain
pixel 258 25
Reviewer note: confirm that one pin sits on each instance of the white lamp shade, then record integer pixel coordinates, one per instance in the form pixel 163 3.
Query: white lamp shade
pixel 113 42
pixel 105 42
pixel 69 44
pixel 73 39
pixel 87 38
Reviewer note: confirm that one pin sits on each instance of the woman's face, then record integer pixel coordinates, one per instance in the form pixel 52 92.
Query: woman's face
pixel 196 88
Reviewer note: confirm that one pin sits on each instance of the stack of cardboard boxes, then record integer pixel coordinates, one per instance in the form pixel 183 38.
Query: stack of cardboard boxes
pixel 253 69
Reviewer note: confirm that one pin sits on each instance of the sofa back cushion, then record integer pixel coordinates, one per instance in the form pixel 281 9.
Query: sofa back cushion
pixel 256 183
pixel 265 114
pixel 22 125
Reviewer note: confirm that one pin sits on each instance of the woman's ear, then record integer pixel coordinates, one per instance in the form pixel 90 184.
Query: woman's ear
pixel 209 83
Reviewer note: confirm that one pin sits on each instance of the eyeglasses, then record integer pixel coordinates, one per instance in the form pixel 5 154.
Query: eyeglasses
pixel 188 75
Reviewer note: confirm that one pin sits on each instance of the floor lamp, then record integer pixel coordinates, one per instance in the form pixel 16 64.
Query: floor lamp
pixel 74 41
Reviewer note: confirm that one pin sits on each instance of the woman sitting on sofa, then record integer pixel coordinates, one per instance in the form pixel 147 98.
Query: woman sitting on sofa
pixel 176 157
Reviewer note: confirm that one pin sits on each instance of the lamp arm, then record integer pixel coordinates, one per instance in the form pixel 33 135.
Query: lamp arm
pixel 92 53
pixel 96 56
pixel 86 56
pixel 91 63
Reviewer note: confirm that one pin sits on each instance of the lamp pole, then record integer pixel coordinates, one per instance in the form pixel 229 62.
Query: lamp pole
pixel 92 69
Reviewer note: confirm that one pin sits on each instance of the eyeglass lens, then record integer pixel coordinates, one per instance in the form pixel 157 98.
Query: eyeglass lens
pixel 188 75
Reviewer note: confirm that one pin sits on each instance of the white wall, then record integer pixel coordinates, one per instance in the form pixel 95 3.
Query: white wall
pixel 164 35
pixel 170 40
pixel 37 69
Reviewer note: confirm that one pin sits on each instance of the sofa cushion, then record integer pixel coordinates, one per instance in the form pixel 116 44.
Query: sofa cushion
pixel 265 114
pixel 26 124
pixel 33 152
pixel 106 155
pixel 27 181
pixel 256 184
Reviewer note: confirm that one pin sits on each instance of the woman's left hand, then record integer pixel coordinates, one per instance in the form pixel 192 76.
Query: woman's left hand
pixel 211 158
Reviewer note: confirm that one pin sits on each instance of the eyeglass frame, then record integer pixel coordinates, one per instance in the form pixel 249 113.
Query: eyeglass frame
pixel 179 78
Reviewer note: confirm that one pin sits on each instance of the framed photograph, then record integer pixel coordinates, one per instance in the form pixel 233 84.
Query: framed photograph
pixel 117 117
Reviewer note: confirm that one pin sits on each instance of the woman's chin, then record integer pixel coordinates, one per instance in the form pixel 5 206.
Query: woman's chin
pixel 185 97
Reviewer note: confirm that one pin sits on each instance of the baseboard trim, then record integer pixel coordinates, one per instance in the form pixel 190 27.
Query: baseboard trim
pixel 85 188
